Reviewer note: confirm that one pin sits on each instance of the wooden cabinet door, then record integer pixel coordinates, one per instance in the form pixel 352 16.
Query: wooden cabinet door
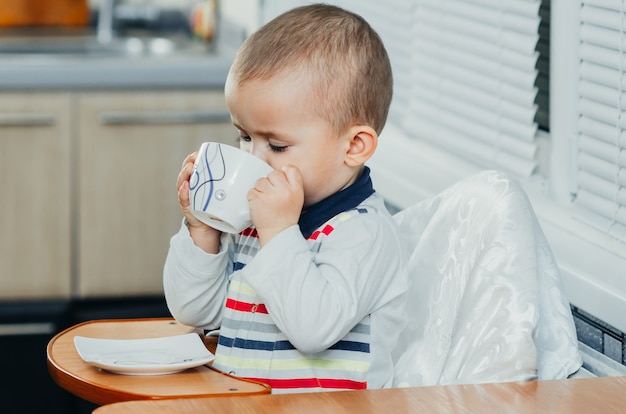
pixel 132 145
pixel 35 198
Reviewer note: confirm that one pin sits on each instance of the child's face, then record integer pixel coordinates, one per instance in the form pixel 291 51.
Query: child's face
pixel 277 122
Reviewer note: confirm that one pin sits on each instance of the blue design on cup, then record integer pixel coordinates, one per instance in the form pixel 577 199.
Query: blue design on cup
pixel 199 178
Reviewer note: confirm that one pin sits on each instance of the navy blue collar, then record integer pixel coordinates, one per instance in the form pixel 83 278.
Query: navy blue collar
pixel 346 199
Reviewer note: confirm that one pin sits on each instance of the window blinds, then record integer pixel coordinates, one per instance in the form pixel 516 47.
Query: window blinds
pixel 601 198
pixel 473 76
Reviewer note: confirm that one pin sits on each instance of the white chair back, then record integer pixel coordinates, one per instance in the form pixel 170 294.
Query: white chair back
pixel 485 299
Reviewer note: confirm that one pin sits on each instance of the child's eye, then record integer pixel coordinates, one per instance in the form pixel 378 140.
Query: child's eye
pixel 244 142
pixel 278 148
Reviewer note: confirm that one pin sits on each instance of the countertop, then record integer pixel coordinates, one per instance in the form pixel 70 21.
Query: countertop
pixel 195 66
pixel 70 72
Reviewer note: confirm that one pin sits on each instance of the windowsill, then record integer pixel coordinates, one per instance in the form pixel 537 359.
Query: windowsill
pixel 405 171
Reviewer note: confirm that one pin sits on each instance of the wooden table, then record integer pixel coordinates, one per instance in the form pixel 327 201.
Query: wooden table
pixel 70 372
pixel 585 395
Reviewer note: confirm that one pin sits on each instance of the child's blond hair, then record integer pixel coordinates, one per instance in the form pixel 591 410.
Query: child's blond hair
pixel 342 57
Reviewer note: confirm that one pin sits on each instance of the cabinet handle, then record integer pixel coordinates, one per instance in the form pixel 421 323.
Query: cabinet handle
pixel 164 117
pixel 26 119
pixel 43 328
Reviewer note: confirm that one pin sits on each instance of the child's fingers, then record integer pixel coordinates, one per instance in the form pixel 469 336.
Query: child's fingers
pixel 182 186
pixel 185 172
pixel 293 175
pixel 185 204
pixel 191 158
pixel 183 195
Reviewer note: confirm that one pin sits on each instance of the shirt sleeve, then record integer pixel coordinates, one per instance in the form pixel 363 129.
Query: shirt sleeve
pixel 315 299
pixel 195 282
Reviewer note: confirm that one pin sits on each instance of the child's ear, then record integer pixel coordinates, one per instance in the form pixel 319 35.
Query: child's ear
pixel 362 144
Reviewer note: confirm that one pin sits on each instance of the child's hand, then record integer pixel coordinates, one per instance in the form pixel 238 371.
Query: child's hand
pixel 182 184
pixel 276 202
pixel 205 237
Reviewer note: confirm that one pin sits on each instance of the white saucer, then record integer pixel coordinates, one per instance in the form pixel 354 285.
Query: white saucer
pixel 153 356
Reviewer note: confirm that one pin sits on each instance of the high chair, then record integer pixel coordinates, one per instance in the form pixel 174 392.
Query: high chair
pixel 485 299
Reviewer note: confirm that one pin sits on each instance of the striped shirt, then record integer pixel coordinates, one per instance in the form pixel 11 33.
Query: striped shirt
pixel 304 313
pixel 252 346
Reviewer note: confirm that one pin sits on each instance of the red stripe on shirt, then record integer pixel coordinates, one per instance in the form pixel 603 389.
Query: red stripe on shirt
pixel 250 231
pixel 245 306
pixel 326 230
pixel 329 383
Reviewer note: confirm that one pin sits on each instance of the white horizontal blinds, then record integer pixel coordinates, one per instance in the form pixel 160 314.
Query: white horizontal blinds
pixel 473 80
pixel 601 198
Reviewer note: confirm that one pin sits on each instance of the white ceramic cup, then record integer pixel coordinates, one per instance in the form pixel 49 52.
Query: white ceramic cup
pixel 219 184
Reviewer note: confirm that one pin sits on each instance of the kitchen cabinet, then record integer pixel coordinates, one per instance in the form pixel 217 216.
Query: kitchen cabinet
pixel 35 168
pixel 131 148
pixel 87 181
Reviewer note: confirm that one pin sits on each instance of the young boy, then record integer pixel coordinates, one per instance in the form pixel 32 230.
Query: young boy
pixel 312 297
